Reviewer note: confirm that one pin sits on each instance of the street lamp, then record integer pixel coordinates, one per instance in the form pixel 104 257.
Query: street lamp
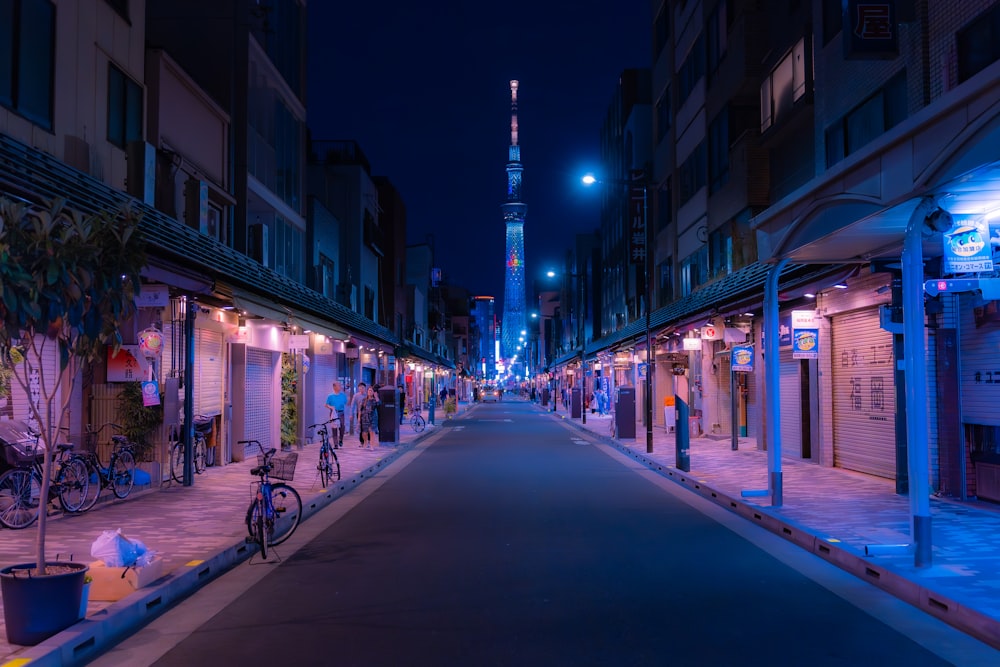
pixel 640 228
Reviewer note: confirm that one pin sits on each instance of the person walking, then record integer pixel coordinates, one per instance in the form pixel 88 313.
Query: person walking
pixel 337 403
pixel 367 411
pixel 354 409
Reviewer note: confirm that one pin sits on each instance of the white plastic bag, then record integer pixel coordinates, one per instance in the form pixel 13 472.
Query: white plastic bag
pixel 116 550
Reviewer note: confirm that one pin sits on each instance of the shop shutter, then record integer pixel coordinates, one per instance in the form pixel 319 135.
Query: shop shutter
pixel 790 414
pixel 980 368
pixel 210 371
pixel 18 405
pixel 864 395
pixel 259 402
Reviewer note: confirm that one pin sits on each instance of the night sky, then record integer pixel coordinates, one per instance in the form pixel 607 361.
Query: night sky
pixel 423 88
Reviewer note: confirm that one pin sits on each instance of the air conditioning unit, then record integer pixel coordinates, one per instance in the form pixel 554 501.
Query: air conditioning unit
pixel 140 176
pixel 257 243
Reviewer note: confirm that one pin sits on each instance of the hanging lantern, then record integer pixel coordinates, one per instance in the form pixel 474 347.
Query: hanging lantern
pixel 151 343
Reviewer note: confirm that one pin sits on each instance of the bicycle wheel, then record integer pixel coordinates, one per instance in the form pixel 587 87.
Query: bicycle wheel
pixel 20 497
pixel 95 484
pixel 336 465
pixel 200 454
pixel 74 483
pixel 288 510
pixel 256 522
pixel 177 462
pixel 122 473
pixel 418 423
pixel 324 468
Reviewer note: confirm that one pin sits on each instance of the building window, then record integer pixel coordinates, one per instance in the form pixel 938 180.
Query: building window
pixel 369 308
pixel 124 108
pixel 664 115
pixel 720 252
pixel 718 151
pixel 694 271
pixel 867 121
pixel 664 205
pixel 665 282
pixel 691 70
pixel 27 57
pixel 979 44
pixel 692 174
pixel 787 83
pixel 327 277
pixel 717 35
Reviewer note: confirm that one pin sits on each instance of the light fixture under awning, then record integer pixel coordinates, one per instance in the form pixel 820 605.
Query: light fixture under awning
pixel 261 306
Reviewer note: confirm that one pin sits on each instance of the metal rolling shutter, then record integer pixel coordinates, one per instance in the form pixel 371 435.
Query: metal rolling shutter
pixel 259 380
pixel 209 365
pixel 980 368
pixel 790 413
pixel 209 371
pixel 864 395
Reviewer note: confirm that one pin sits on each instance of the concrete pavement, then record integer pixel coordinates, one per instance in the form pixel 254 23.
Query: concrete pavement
pixel 831 512
pixel 837 514
pixel 199 531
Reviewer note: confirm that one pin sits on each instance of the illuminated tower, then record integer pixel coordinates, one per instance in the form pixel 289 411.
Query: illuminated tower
pixel 513 216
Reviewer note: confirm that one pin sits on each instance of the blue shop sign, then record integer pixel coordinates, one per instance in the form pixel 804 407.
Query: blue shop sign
pixel 742 360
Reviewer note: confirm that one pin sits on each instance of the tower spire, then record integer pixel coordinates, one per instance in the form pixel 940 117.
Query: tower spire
pixel 514 211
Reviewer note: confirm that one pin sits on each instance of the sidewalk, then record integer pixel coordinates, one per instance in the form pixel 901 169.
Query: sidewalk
pixel 836 513
pixel 198 530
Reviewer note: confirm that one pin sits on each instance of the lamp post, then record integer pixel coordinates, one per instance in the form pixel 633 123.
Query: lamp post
pixel 638 186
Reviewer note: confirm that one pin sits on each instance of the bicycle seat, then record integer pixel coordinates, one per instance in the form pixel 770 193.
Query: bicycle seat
pixel 64 446
pixel 259 471
pixel 119 439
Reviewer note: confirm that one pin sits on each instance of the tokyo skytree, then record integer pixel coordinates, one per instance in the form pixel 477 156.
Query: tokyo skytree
pixel 513 216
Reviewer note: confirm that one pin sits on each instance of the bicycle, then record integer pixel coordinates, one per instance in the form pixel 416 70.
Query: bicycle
pixel 119 475
pixel 21 485
pixel 417 421
pixel 326 468
pixel 199 448
pixel 275 509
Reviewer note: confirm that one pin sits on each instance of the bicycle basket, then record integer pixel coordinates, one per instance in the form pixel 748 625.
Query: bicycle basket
pixel 282 466
pixel 19 445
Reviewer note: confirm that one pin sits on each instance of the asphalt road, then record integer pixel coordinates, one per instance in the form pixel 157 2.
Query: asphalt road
pixel 512 539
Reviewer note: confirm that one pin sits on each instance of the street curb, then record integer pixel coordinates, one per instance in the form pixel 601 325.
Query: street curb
pixel 93 635
pixel 970 621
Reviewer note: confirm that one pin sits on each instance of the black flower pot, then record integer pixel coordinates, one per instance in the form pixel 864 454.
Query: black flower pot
pixel 35 608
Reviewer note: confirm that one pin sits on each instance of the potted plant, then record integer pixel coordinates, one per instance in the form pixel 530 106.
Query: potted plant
pixel 67 282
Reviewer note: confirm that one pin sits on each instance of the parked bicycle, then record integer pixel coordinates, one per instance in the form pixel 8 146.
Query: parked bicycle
pixel 417 421
pixel 276 508
pixel 329 464
pixel 118 475
pixel 21 485
pixel 202 427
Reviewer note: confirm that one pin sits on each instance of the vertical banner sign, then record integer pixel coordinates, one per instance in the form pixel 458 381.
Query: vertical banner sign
pixel 637 221
pixel 805 334
pixel 784 331
pixel 742 361
pixel 967 248
pixel 870 29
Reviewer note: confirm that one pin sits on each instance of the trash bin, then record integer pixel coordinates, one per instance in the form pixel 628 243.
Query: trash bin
pixel 388 420
pixel 545 397
pixel 576 403
pixel 625 413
